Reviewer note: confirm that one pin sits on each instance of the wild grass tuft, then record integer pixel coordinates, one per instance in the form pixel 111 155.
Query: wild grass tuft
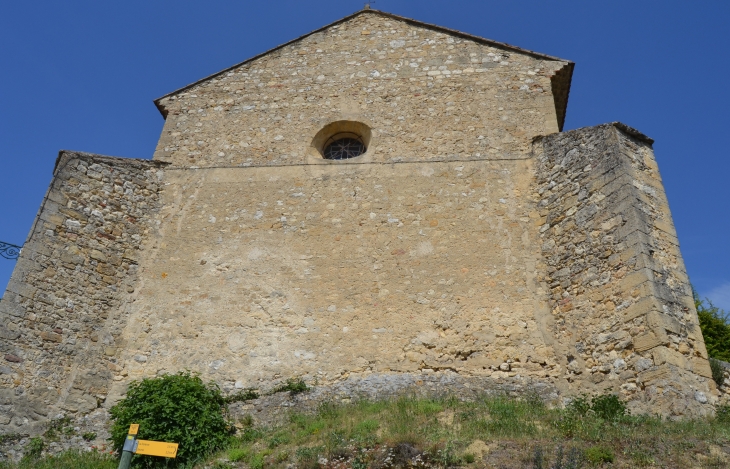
pixel 67 460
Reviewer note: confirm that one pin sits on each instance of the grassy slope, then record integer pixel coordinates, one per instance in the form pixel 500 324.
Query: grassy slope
pixel 493 432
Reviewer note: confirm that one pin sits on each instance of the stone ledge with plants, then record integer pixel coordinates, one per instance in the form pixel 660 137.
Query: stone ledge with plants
pixel 493 430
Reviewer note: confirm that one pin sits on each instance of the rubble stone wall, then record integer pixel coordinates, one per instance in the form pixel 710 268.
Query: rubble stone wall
pixel 619 292
pixel 65 308
pixel 558 272
pixel 260 274
pixel 425 94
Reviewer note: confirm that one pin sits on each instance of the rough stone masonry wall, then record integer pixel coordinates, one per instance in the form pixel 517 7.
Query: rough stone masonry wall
pixel 620 295
pixel 64 310
pixel 330 272
pixel 426 94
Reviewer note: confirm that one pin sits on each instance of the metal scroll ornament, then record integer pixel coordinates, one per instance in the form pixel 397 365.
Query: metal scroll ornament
pixel 9 251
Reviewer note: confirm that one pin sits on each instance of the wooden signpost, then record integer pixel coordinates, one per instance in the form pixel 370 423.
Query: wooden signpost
pixel 149 448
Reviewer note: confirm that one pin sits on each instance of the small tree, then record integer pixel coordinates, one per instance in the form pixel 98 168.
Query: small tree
pixel 715 327
pixel 177 408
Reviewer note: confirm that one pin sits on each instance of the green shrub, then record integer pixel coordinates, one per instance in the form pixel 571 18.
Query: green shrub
pixel 715 326
pixel 177 408
pixel 360 461
pixel 599 454
pixel 282 456
pixel 608 407
pixel 580 405
pixel 605 406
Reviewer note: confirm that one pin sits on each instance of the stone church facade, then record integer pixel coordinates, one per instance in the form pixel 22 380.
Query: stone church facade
pixel 467 244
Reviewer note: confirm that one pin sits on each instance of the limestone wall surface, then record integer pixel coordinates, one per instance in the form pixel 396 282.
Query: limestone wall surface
pixel 620 295
pixel 64 311
pixel 557 273
pixel 426 95
pixel 260 274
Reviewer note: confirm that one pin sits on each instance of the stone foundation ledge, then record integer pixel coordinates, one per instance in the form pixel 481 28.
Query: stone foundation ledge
pixel 273 409
pixel 69 434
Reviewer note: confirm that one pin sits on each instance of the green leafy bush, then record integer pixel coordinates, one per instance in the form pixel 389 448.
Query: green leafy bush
pixel 715 326
pixel 608 407
pixel 580 405
pixel 605 406
pixel 177 408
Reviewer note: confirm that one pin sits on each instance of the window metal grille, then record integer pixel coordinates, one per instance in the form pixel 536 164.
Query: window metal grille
pixel 343 146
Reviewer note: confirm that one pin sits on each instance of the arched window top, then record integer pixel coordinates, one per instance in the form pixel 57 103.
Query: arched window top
pixel 342 140
pixel 344 145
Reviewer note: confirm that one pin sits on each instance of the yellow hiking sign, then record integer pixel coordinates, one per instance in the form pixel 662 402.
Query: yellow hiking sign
pixel 144 447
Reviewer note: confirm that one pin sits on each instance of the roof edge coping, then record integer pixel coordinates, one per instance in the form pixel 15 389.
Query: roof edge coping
pixel 633 132
pixel 65 155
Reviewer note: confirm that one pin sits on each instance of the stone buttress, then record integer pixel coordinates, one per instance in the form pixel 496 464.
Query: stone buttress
pixel 66 304
pixel 619 291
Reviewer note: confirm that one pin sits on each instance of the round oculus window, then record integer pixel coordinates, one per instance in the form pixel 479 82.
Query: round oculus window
pixel 343 146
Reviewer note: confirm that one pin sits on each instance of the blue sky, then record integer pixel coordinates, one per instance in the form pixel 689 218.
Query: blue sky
pixel 82 75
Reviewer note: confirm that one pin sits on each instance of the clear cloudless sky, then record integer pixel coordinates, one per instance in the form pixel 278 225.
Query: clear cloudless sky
pixel 81 75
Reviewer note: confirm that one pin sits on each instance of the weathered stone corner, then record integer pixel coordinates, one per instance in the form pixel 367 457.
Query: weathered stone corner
pixel 65 306
pixel 619 290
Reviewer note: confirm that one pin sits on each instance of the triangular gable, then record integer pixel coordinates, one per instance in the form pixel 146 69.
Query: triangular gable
pixel 561 81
